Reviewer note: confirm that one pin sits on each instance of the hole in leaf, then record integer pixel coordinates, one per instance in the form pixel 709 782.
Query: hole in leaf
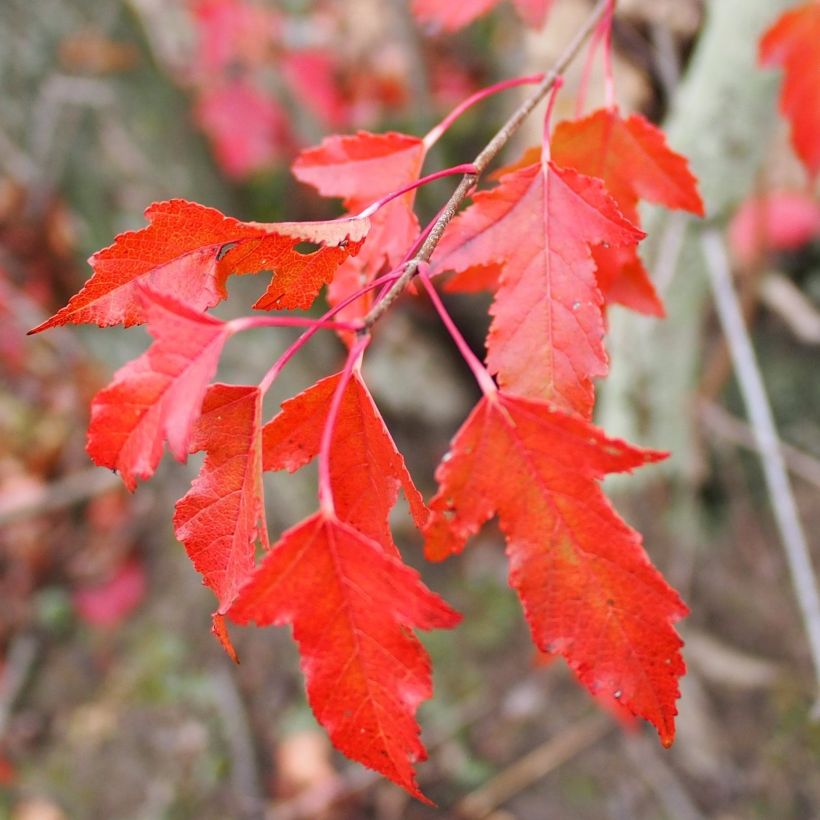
pixel 307 248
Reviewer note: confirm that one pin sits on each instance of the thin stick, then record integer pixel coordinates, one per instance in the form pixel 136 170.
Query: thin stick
pixel 484 158
pixel 533 767
pixel 754 395
pixel 57 495
pixel 723 424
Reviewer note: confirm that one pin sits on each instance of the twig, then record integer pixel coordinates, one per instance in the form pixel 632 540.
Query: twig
pixel 244 774
pixel 21 656
pixel 754 395
pixel 533 767
pixel 57 495
pixel 733 430
pixel 783 297
pixel 484 158
pixel 668 788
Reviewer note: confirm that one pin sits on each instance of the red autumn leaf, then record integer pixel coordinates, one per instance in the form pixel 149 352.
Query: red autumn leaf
pixel 353 605
pixel 546 337
pixel 188 251
pixel 632 158
pixel 264 135
pixel 366 469
pixel 159 395
pixel 792 44
pixel 780 220
pixel 223 514
pixel 450 16
pixel 587 587
pixel 361 169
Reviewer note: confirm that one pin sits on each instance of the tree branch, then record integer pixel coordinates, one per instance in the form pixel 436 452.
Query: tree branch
pixel 484 158
pixel 754 395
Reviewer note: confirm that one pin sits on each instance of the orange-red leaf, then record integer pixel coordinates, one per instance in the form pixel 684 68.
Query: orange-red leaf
pixel 189 250
pixel 792 42
pixel 366 469
pixel 451 16
pixel 587 587
pixel 223 514
pixel 352 606
pixel 361 169
pixel 632 158
pixel 159 395
pixel 546 337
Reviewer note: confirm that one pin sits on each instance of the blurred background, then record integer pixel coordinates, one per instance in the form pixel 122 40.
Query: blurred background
pixel 115 701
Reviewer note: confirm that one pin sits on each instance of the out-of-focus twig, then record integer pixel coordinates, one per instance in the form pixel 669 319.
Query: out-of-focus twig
pixel 754 395
pixel 19 660
pixel 667 786
pixel 534 766
pixel 784 298
pixel 57 495
pixel 726 426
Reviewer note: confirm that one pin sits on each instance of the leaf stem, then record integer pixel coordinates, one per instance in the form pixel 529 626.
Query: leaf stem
pixel 251 322
pixel 317 324
pixel 609 74
pixel 435 133
pixel 545 134
pixel 354 356
pixel 466 168
pixel 484 379
pixel 481 162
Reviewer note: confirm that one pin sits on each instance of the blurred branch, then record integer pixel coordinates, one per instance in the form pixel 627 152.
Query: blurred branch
pixel 57 495
pixel 732 429
pixel 767 443
pixel 534 766
pixel 16 669
pixel 784 298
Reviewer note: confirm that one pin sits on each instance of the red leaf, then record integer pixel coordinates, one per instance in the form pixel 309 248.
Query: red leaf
pixel 189 250
pixel 546 337
pixel 223 514
pixel 776 221
pixel 159 395
pixel 792 43
pixel 633 160
pixel 587 587
pixel 352 606
pixel 366 469
pixel 450 16
pixel 361 169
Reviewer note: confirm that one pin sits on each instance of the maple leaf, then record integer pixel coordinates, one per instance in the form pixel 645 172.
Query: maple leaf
pixel 587 587
pixel 632 158
pixel 792 43
pixel 451 16
pixel 361 169
pixel 366 468
pixel 545 340
pixel 352 605
pixel 189 250
pixel 159 395
pixel 222 516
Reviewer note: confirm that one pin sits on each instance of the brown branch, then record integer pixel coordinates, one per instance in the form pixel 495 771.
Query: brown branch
pixel 484 158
